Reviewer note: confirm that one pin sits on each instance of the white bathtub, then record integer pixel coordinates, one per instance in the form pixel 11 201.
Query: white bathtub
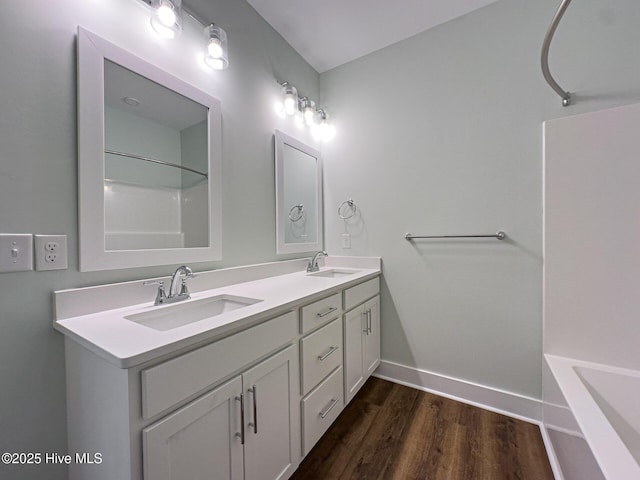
pixel 605 401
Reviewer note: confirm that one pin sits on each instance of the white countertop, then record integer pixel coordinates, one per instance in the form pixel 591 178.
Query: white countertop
pixel 126 343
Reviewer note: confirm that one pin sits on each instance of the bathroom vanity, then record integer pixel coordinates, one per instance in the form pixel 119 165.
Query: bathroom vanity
pixel 238 382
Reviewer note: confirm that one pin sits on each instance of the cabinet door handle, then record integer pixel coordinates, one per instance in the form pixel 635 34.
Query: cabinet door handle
pixel 369 321
pixel 324 314
pixel 241 400
pixel 326 411
pixel 366 322
pixel 332 349
pixel 254 425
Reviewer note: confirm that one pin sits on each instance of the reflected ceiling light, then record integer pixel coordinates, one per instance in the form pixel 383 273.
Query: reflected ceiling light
pixel 289 98
pixel 216 56
pixel 167 17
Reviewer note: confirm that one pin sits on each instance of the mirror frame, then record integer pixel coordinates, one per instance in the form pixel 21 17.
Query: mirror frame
pixel 282 139
pixel 92 52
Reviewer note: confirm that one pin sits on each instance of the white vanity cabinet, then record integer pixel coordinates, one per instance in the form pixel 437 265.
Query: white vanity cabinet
pixel 247 404
pixel 225 410
pixel 241 430
pixel 361 335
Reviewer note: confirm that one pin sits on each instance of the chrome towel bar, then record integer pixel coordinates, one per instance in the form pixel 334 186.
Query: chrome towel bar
pixel 499 235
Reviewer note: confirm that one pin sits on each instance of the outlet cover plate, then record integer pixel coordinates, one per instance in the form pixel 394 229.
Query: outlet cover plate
pixel 51 252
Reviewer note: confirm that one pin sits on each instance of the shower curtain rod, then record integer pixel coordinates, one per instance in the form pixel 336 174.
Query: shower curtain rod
pixel 544 57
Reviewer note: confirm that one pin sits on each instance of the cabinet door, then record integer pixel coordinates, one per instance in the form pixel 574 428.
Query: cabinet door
pixel 371 336
pixel 272 417
pixel 200 441
pixel 354 323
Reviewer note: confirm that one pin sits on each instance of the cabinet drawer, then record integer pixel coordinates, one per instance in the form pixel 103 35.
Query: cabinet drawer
pixel 175 380
pixel 320 408
pixel 321 352
pixel 356 295
pixel 320 312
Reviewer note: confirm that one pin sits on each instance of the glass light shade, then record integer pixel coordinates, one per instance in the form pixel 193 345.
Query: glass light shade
pixel 323 130
pixel 290 99
pixel 167 17
pixel 217 55
pixel 309 112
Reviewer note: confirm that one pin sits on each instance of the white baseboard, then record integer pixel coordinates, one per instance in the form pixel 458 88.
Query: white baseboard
pixel 499 401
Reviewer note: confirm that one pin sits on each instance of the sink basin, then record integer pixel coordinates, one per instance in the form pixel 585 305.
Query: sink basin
pixel 333 273
pixel 174 316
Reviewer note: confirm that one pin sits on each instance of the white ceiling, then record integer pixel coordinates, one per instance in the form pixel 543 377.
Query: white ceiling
pixel 328 33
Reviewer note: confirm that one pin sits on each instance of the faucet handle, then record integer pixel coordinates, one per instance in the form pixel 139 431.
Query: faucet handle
pixel 161 296
pixel 184 290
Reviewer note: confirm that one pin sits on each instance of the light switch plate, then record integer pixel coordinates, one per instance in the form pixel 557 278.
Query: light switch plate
pixel 346 240
pixel 16 252
pixel 51 252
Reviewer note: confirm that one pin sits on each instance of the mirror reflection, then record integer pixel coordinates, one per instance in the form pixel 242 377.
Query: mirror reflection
pixel 156 165
pixel 298 196
pixel 149 163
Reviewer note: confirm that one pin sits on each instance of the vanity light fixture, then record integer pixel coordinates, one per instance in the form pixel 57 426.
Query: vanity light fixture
pixel 167 17
pixel 289 98
pixel 304 112
pixel 216 56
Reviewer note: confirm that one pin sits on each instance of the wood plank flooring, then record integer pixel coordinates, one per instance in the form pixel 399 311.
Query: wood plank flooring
pixel 392 432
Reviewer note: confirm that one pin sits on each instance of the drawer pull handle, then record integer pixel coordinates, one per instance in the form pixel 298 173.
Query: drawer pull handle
pixel 241 400
pixel 332 349
pixel 324 314
pixel 326 411
pixel 255 409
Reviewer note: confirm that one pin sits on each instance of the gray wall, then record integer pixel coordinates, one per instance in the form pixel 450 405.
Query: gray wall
pixel 442 133
pixel 38 164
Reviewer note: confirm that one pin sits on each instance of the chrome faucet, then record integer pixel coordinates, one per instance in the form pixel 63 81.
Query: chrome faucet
pixel 313 263
pixel 178 290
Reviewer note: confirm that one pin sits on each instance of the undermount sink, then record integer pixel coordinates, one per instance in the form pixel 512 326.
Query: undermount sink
pixel 174 316
pixel 333 273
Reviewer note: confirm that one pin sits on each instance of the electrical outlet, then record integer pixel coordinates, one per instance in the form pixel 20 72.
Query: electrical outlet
pixel 51 252
pixel 346 240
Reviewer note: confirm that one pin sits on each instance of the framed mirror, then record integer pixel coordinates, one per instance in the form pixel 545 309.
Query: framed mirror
pixel 149 163
pixel 298 196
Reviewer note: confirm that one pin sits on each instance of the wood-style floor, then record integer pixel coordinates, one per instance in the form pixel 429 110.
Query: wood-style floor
pixel 390 432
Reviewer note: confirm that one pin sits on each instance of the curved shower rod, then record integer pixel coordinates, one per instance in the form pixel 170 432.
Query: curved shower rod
pixel 544 57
